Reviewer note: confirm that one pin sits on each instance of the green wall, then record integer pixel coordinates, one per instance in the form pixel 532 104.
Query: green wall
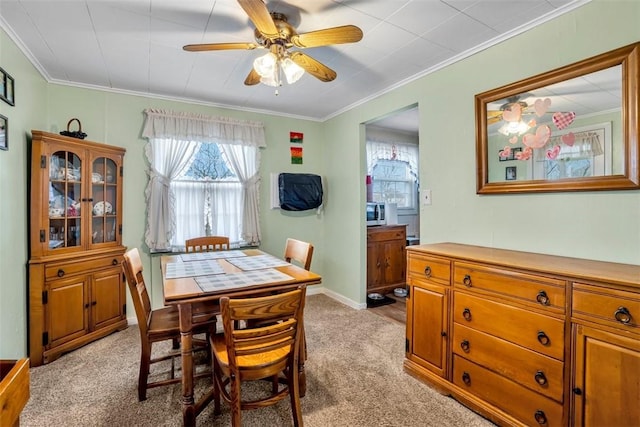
pixel 597 225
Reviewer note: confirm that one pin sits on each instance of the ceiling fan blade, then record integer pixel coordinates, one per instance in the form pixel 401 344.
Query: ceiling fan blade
pixel 313 67
pixel 328 36
pixel 253 78
pixel 260 16
pixel 494 119
pixel 219 46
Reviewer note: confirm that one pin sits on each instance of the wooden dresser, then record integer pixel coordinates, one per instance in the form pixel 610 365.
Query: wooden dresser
pixel 523 338
pixel 386 257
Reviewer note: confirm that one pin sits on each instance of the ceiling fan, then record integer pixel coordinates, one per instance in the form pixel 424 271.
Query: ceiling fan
pixel 274 33
pixel 512 110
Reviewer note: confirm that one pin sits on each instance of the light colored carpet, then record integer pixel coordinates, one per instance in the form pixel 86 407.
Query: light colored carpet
pixel 354 378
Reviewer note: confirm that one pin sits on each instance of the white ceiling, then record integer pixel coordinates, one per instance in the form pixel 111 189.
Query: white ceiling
pixel 135 46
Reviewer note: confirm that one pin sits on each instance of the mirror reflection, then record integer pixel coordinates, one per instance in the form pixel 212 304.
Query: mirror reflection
pixel 574 128
pixel 571 129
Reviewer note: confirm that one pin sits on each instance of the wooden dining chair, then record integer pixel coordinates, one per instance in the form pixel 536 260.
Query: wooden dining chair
pixel 161 325
pixel 262 351
pixel 207 244
pixel 298 251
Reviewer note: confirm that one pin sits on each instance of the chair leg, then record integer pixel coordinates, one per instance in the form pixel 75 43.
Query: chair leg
pixel 143 376
pixel 236 419
pixel 294 394
pixel 215 372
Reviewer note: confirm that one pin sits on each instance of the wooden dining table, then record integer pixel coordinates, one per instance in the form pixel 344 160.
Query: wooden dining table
pixel 236 273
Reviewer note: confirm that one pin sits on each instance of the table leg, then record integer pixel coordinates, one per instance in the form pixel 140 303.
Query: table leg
pixel 186 342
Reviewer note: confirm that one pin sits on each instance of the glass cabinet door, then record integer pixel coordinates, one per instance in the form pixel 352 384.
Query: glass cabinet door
pixel 105 201
pixel 65 195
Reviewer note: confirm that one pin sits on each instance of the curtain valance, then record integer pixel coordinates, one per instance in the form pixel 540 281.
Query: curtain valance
pixel 188 126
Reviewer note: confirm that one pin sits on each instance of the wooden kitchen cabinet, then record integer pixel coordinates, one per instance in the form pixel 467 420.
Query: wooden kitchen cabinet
pixel 76 288
pixel 386 259
pixel 526 339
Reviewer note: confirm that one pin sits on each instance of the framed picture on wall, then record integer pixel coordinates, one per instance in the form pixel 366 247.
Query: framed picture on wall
pixel 510 173
pixel 4 133
pixel 7 87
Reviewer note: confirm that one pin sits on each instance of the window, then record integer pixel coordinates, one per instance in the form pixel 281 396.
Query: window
pixel 203 178
pixel 393 183
pixel 208 198
pixel 394 169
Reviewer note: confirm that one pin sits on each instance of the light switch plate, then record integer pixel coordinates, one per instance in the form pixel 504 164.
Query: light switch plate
pixel 426 197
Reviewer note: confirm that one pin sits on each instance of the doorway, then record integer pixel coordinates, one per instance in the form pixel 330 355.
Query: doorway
pixel 392 175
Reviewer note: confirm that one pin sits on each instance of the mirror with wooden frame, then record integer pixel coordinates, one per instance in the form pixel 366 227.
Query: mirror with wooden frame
pixel 571 129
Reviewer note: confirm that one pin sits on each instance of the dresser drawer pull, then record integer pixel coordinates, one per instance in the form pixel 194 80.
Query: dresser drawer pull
pixel 114 262
pixel 541 378
pixel 543 338
pixel 467 280
pixel 60 272
pixel 427 271
pixel 466 378
pixel 465 346
pixel 540 417
pixel 542 298
pixel 622 315
pixel 466 313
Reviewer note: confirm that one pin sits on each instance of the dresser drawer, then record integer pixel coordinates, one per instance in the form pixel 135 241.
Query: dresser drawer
pixel 606 306
pixel 534 331
pixel 533 370
pixel 526 288
pixel 429 268
pixel 523 404
pixel 65 269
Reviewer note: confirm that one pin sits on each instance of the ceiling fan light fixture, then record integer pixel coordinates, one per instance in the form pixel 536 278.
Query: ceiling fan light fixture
pixel 266 65
pixel 292 71
pixel 513 128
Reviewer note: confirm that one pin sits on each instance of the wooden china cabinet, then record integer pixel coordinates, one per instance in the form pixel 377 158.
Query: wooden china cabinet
pixel 76 288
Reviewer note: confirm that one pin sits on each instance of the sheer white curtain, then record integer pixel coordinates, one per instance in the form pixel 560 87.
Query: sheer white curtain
pixel 168 159
pixel 244 162
pixel 385 150
pixel 190 199
pixel 226 216
pixel 173 141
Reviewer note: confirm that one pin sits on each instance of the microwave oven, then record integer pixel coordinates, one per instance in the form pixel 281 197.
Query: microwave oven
pixel 375 213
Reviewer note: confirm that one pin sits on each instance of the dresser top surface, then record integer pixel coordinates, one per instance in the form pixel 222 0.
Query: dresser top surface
pixel 571 268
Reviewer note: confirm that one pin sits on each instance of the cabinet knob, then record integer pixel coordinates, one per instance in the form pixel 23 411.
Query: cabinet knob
pixel 466 313
pixel 86 305
pixel 542 298
pixel 622 315
pixel 94 302
pixel 540 378
pixel 465 346
pixel 577 391
pixel 467 280
pixel 60 272
pixel 540 417
pixel 427 271
pixel 114 262
pixel 543 338
pixel 466 378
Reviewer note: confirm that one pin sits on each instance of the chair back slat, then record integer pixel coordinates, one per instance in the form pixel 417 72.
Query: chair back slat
pixel 132 267
pixel 298 251
pixel 207 244
pixel 284 309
